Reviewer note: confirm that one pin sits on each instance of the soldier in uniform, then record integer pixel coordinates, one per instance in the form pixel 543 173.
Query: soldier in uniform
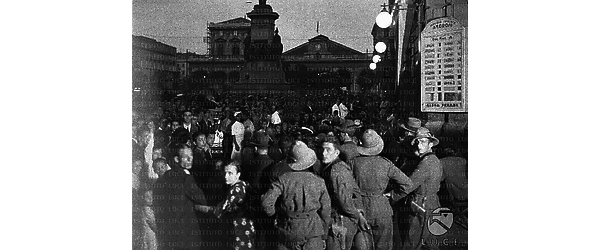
pixel 372 173
pixel 426 183
pixel 344 194
pixel 305 207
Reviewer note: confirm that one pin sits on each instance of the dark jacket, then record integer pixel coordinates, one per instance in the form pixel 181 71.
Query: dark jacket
pixel 257 175
pixel 193 128
pixel 205 126
pixel 256 172
pixel 201 166
pixel 275 153
pixel 455 176
pixel 372 174
pixel 175 194
pixel 305 206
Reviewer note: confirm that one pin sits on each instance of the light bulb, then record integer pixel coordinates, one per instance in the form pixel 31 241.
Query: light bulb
pixel 376 58
pixel 372 66
pixel 384 19
pixel 380 47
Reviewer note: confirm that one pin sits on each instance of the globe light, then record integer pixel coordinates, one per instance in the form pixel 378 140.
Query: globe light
pixel 372 66
pixel 376 58
pixel 384 19
pixel 380 47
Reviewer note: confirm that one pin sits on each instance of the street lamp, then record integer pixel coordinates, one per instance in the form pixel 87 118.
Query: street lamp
pixel 376 58
pixel 372 66
pixel 380 47
pixel 384 19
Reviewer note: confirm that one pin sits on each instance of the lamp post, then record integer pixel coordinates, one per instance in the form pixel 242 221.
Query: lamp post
pixel 384 20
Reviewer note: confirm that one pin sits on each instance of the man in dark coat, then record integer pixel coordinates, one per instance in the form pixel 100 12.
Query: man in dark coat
pixel 187 122
pixel 255 169
pixel 202 159
pixel 305 207
pixel 175 195
pixel 454 180
pixel 372 173
pixel 455 174
pixel 204 125
pixel 258 179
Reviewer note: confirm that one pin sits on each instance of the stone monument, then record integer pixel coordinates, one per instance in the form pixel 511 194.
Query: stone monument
pixel 262 52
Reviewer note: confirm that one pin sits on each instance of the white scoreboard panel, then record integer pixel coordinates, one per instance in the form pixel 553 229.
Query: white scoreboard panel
pixel 443 67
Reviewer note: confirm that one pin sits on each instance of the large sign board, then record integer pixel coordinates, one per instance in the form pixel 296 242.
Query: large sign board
pixel 443 66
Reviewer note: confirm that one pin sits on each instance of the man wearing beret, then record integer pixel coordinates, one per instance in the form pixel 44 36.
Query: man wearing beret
pixel 372 173
pixel 305 207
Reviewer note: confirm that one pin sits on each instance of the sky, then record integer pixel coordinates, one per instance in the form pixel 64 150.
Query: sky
pixel 182 23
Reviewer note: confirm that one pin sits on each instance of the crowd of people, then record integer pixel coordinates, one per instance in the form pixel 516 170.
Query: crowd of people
pixel 256 171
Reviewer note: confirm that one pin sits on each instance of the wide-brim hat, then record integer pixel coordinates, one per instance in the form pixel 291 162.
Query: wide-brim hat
pixel 423 132
pixel 411 124
pixel 304 156
pixel 371 143
pixel 260 139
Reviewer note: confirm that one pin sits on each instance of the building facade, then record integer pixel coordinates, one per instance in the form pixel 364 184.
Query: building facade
pixel 317 64
pixel 220 67
pixel 153 64
pixel 226 39
pixel 322 63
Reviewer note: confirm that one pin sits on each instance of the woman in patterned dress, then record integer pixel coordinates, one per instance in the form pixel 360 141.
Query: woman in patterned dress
pixel 233 209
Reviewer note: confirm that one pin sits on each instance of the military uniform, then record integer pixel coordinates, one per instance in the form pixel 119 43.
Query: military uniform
pixel 426 183
pixel 344 195
pixel 305 210
pixel 372 174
